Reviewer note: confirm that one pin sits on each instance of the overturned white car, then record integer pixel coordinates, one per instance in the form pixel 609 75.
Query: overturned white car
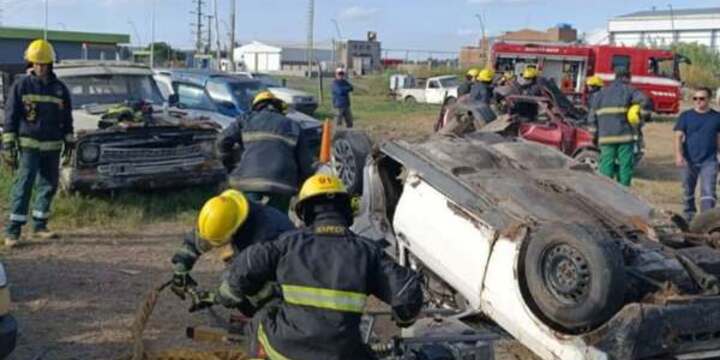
pixel 569 263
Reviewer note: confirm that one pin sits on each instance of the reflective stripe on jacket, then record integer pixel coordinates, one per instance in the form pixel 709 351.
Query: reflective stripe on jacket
pixel 326 275
pixel 608 112
pixel 38 114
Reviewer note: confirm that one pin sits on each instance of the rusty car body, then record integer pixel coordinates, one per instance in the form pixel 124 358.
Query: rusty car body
pixel 569 263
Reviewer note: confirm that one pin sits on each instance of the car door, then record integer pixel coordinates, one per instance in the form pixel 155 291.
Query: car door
pixel 435 93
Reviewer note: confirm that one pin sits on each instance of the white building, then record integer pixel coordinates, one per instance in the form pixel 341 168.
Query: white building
pixel 663 27
pixel 264 58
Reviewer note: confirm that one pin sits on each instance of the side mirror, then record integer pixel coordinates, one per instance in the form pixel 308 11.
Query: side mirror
pixel 173 99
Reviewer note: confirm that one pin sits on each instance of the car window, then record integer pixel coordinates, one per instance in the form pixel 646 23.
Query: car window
pixel 434 85
pixel 194 97
pixel 165 89
pixel 244 92
pixel 620 61
pixel 218 91
pixel 111 89
pixel 449 82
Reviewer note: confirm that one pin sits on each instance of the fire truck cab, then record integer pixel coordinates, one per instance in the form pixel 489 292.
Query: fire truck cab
pixel 654 72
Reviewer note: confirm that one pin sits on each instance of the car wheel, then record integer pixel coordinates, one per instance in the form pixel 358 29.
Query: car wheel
pixel 410 100
pixel 574 276
pixel 588 156
pixel 707 223
pixel 349 153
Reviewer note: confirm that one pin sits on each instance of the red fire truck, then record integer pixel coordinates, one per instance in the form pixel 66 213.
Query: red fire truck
pixel 655 72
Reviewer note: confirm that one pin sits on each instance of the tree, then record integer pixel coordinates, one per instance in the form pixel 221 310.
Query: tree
pixel 164 53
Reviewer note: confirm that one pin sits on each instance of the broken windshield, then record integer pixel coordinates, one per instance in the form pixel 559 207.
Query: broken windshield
pixel 111 89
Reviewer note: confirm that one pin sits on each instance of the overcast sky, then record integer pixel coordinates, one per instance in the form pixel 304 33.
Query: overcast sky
pixel 400 24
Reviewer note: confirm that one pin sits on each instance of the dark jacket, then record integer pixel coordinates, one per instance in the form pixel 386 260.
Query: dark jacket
pixel 482 92
pixel 465 88
pixel 263 224
pixel 37 114
pixel 341 90
pixel 608 112
pixel 326 274
pixel 276 157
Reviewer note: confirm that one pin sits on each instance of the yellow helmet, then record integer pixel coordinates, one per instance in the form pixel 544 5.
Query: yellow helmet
pixel 40 52
pixel 222 216
pixel 266 95
pixel 594 81
pixel 633 115
pixel 320 185
pixel 473 72
pixel 486 75
pixel 530 72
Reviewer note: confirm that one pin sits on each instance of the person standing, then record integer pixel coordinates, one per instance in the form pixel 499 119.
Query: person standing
pixel 615 116
pixel 467 85
pixel 697 133
pixel 38 124
pixel 482 90
pixel 341 89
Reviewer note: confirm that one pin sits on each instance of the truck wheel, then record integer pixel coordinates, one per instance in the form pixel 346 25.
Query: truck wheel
pixel 350 150
pixel 590 157
pixel 708 222
pixel 410 100
pixel 575 277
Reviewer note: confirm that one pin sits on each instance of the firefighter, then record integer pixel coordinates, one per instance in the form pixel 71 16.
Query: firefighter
pixel 38 124
pixel 325 274
pixel 276 157
pixel 615 121
pixel 529 84
pixel 229 221
pixel 594 84
pixel 482 90
pixel 466 86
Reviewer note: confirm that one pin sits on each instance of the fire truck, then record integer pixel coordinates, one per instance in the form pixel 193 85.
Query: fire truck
pixel 655 72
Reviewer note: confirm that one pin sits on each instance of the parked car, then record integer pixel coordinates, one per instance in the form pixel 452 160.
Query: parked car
pixel 299 100
pixel 569 263
pixel 434 90
pixel 124 137
pixel 222 98
pixel 8 325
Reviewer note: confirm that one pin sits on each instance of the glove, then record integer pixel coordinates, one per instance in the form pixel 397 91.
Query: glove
pixel 10 156
pixel 181 284
pixel 202 300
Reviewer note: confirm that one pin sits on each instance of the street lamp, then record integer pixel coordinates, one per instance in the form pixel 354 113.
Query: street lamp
pixel 152 37
pixel 672 23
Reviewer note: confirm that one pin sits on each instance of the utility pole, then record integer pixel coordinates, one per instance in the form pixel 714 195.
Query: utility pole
pixel 311 16
pixel 152 37
pixel 217 34
pixel 45 29
pixel 334 45
pixel 232 35
pixel 672 23
pixel 483 41
pixel 198 25
pixel 208 47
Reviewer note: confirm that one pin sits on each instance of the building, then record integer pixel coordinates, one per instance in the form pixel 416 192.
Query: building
pixel 475 55
pixel 664 27
pixel 67 44
pixel 560 33
pixel 265 58
pixel 360 56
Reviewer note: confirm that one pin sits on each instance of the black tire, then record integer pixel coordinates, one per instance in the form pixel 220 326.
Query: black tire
pixel 708 222
pixel 574 276
pixel 350 151
pixel 588 156
pixel 410 100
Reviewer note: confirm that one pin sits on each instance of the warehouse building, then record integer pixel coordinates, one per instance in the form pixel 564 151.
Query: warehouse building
pixel 266 58
pixel 664 27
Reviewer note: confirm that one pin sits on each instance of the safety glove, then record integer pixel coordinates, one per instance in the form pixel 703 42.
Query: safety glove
pixel 182 283
pixel 202 300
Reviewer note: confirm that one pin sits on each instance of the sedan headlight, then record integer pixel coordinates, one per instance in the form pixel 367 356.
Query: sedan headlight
pixel 3 276
pixel 89 153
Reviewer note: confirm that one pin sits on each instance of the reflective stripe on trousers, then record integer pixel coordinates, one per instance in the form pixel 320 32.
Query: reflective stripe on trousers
pixel 337 300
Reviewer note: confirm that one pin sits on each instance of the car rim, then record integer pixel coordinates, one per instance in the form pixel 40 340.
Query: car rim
pixel 590 161
pixel 344 160
pixel 566 274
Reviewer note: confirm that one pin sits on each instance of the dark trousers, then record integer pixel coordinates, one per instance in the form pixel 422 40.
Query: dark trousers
pixel 345 114
pixel 43 166
pixel 707 174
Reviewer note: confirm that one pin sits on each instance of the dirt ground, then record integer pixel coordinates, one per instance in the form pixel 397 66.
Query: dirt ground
pixel 75 298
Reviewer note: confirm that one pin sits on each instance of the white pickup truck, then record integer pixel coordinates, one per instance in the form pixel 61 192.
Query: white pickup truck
pixel 434 90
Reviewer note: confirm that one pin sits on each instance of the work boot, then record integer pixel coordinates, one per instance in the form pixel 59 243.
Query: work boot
pixel 45 234
pixel 11 241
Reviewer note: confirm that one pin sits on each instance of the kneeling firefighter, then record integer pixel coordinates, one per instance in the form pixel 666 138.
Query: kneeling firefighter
pixel 326 274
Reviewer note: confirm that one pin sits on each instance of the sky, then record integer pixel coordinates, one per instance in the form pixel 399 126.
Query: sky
pixel 441 25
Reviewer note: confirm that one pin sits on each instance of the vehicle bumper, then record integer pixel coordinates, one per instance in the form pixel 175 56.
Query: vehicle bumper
pixel 688 326
pixel 306 108
pixel 137 177
pixel 8 335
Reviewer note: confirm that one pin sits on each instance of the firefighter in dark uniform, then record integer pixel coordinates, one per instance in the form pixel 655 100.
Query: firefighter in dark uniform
pixel 482 90
pixel 325 274
pixel 230 222
pixel 466 86
pixel 615 117
pixel 594 84
pixel 38 124
pixel 276 157
pixel 529 83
